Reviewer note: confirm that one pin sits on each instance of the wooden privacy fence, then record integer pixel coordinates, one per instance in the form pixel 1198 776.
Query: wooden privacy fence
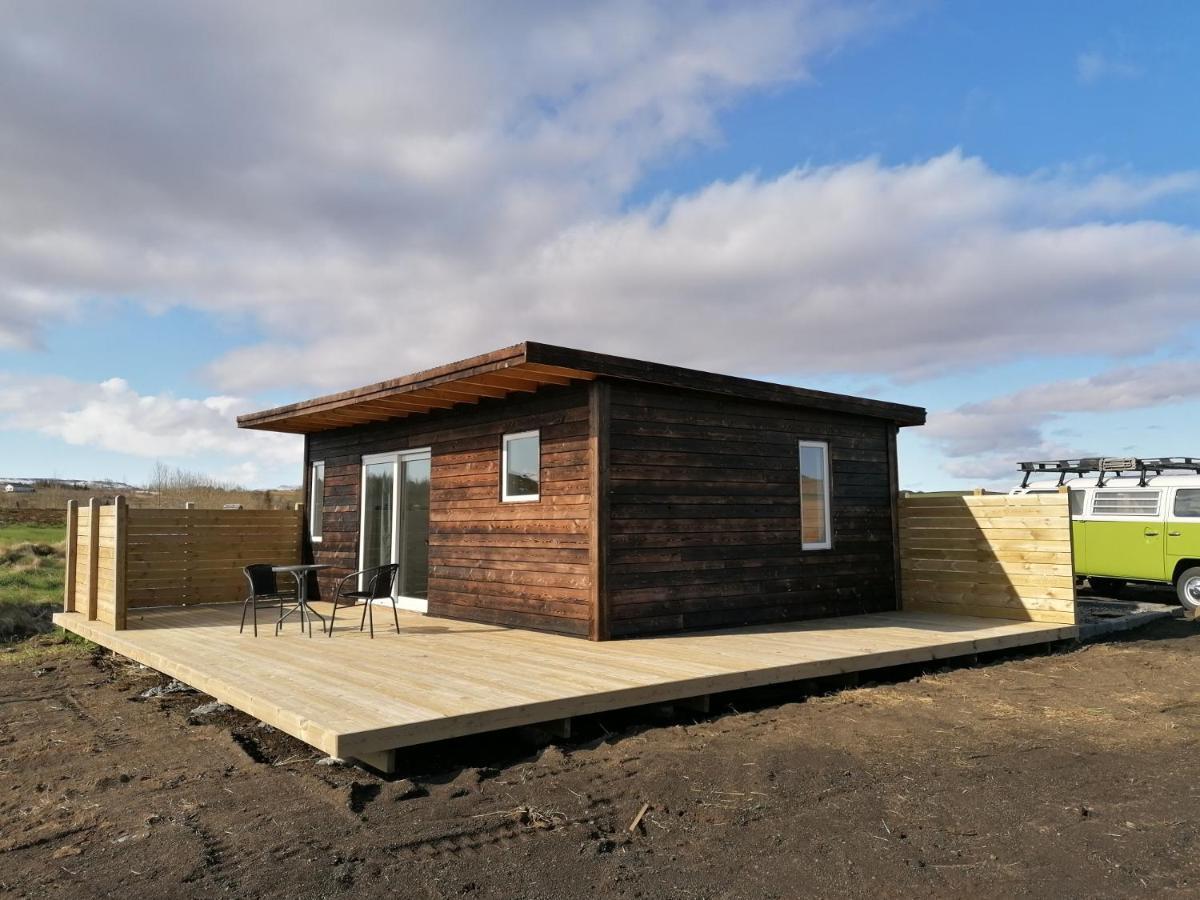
pixel 121 557
pixel 1009 557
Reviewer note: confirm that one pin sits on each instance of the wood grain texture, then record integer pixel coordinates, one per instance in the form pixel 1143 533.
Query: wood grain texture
pixel 705 522
pixel 442 678
pixel 599 434
pixel 93 557
pixel 522 564
pixel 989 556
pixel 71 559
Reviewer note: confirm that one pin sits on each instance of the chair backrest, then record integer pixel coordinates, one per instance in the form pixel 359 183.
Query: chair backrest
pixel 382 580
pixel 261 578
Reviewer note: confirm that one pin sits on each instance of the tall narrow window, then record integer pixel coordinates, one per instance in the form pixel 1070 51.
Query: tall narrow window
pixel 521 464
pixel 814 496
pixel 316 501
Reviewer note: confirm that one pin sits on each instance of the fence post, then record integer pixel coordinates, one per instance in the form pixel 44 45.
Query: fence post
pixel 301 527
pixel 93 557
pixel 120 527
pixel 72 554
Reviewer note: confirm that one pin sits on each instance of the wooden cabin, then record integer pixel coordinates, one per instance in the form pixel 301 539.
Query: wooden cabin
pixel 585 494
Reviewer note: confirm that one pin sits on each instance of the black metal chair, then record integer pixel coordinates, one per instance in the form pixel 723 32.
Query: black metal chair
pixel 379 582
pixel 264 592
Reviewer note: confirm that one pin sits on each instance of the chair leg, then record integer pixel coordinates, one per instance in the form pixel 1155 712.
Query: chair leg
pixel 371 618
pixel 242 627
pixel 395 615
pixel 332 616
pixel 363 623
pixel 254 615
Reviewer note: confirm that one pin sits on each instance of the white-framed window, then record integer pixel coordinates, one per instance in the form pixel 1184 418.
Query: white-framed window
pixel 816 532
pixel 316 501
pixel 1077 500
pixel 521 467
pixel 1187 503
pixel 1126 503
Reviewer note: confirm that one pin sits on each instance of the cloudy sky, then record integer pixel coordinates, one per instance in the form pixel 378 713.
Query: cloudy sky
pixel 990 210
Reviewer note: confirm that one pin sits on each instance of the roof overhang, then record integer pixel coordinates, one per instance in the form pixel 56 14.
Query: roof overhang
pixel 526 367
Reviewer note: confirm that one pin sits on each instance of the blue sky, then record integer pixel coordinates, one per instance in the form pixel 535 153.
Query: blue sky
pixel 986 209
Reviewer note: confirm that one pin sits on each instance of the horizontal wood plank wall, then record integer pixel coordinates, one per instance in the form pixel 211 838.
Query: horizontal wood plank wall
pixel 519 564
pixel 83 563
pixel 1001 556
pixel 705 513
pixel 176 557
pixel 106 571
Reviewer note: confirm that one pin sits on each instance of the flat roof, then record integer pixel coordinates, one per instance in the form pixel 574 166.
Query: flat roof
pixel 527 366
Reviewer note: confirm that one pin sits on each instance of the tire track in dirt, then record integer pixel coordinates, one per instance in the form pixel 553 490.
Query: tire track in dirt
pixel 522 826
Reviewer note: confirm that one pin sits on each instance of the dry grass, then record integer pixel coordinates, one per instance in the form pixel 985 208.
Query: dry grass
pixel 204 497
pixel 31 584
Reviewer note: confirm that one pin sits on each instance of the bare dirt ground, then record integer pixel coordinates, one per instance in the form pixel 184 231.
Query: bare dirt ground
pixel 1073 774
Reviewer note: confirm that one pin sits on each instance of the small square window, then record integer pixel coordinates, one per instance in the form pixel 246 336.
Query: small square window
pixel 520 469
pixel 316 501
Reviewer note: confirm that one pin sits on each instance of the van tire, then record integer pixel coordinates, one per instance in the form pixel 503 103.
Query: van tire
pixel 1187 588
pixel 1107 586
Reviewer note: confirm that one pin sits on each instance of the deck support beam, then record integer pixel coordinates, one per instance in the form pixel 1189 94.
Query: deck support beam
pixel 380 760
pixel 701 704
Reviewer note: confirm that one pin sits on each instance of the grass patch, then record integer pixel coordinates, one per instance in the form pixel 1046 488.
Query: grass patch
pixel 57 643
pixel 32 575
pixel 16 533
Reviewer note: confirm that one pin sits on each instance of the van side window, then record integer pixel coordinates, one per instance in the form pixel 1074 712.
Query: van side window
pixel 1077 498
pixel 1126 503
pixel 1187 503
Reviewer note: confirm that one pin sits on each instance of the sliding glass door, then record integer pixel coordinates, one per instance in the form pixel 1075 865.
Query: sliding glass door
pixel 379 490
pixel 395 521
pixel 413 527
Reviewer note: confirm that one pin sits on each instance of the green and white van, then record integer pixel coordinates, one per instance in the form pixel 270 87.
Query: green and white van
pixel 1131 522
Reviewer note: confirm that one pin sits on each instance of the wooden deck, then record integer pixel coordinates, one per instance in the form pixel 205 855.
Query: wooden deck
pixel 352 696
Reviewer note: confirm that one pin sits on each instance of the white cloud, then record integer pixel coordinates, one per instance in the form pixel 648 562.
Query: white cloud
pixel 387 187
pixel 384 189
pixel 984 440
pixel 112 416
pixel 1093 66
pixel 234 155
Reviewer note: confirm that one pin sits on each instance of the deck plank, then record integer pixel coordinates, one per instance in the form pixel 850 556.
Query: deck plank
pixel 442 678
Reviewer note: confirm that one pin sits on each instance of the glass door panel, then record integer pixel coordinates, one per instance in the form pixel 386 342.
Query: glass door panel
pixel 414 528
pixel 378 514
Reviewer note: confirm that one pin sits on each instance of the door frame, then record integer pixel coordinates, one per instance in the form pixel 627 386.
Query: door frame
pixel 395 457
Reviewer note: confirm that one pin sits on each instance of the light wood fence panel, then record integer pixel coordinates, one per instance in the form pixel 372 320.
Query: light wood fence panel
pixel 137 558
pixel 1000 556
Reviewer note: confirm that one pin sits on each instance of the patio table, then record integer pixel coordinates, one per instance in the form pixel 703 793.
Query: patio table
pixel 300 573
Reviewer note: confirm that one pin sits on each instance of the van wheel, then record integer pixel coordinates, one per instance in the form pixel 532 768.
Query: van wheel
pixel 1187 586
pixel 1109 587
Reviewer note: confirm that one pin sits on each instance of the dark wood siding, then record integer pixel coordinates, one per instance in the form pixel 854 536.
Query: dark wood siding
pixel 704 527
pixel 521 564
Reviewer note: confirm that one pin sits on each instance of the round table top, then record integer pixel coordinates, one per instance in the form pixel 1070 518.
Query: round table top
pixel 305 567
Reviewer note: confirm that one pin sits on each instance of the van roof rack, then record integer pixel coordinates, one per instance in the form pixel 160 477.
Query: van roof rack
pixel 1108 464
